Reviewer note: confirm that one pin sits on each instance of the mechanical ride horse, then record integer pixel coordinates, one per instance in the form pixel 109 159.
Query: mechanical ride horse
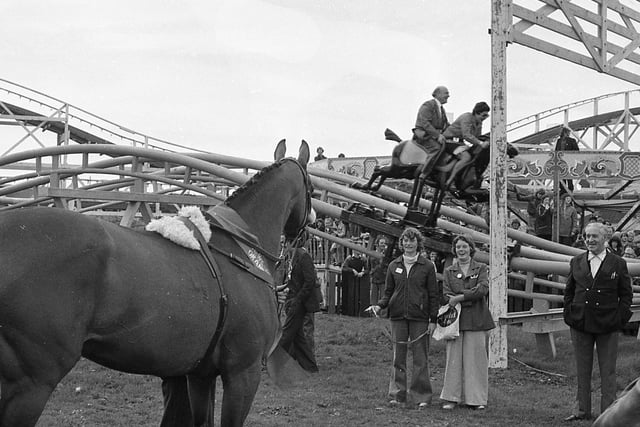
pixel 410 161
pixel 74 286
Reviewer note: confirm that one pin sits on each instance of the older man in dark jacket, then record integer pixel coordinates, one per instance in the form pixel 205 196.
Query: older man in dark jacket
pixel 597 302
pixel 430 123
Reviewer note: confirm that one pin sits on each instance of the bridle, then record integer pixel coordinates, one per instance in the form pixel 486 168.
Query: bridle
pixel 307 208
pixel 289 242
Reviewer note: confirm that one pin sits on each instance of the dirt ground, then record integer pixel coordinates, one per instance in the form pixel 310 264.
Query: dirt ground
pixel 354 356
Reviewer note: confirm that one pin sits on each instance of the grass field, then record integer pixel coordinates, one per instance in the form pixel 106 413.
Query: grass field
pixel 354 356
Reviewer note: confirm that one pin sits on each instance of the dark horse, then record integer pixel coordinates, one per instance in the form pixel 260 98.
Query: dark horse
pixel 625 411
pixel 74 286
pixel 409 161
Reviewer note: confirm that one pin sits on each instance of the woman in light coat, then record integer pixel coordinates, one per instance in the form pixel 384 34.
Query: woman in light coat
pixel 466 378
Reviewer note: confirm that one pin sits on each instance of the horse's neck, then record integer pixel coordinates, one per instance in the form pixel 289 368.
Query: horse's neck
pixel 263 208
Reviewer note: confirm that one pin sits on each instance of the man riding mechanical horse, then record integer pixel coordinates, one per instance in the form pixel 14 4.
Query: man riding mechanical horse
pixel 434 134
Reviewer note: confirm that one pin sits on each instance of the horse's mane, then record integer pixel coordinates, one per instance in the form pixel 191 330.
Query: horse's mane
pixel 254 179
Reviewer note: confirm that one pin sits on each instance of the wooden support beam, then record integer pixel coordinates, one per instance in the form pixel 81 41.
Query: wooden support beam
pixel 610 55
pixel 628 216
pixel 500 24
pixel 132 209
pixel 129 214
pixel 617 189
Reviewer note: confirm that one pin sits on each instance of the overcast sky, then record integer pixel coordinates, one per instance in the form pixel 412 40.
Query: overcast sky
pixel 235 76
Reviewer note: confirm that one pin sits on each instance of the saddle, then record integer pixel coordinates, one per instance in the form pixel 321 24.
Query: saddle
pixel 223 230
pixel 414 154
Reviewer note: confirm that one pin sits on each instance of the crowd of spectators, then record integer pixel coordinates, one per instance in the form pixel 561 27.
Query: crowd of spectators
pixel 320 155
pixel 541 223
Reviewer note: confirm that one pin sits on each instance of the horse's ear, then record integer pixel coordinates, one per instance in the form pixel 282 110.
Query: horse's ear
pixel 281 149
pixel 303 154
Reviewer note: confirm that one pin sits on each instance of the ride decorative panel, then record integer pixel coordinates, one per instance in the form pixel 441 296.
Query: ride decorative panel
pixel 575 165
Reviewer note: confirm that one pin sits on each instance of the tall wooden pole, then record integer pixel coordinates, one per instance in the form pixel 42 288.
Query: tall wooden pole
pixel 500 22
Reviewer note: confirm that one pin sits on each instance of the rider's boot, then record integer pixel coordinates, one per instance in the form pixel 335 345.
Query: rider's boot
pixel 464 159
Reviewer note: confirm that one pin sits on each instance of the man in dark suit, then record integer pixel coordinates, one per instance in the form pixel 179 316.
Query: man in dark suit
pixel 301 299
pixel 430 124
pixel 597 301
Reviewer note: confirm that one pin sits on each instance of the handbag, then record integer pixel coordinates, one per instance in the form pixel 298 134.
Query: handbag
pixel 447 327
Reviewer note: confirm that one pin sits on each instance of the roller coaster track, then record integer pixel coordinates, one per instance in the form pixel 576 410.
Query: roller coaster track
pixel 33 110
pixel 597 123
pixel 74 171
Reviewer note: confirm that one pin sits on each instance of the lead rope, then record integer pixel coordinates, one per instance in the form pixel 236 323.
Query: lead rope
pixel 387 332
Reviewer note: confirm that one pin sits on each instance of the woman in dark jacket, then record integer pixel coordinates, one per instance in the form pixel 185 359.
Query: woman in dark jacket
pixel 411 296
pixel 466 377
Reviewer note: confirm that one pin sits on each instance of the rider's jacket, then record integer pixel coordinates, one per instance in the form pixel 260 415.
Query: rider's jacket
pixel 467 128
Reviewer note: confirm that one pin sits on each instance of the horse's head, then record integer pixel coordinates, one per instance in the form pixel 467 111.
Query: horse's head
pixel 511 151
pixel 302 212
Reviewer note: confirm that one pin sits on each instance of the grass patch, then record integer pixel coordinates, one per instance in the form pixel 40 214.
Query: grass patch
pixel 354 356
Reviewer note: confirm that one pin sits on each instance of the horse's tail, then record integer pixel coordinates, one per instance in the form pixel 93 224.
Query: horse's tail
pixel 283 370
pixel 391 135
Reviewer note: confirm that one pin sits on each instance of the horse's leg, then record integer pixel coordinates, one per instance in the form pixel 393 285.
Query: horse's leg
pixel 431 218
pixel 177 405
pixel 414 191
pixel 435 207
pixel 201 395
pixel 239 391
pixel 22 402
pixel 438 196
pixel 29 373
pixel 368 185
pixel 379 184
pixel 418 186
